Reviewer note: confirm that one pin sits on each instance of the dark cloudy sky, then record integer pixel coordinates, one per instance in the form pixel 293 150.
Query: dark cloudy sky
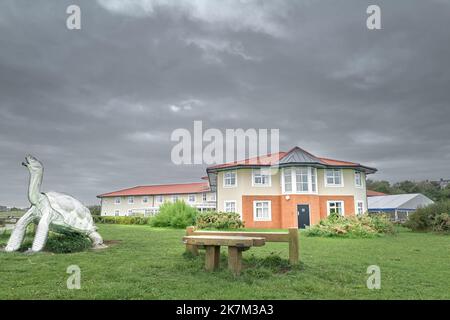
pixel 98 105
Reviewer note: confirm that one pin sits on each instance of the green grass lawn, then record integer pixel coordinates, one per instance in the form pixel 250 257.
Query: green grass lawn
pixel 5 214
pixel 148 263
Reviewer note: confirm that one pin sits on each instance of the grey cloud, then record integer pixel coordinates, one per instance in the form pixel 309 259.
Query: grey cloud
pixel 98 105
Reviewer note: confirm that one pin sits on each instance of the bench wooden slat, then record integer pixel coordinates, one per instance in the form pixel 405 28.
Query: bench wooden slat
pixel 291 237
pixel 221 240
pixel 269 236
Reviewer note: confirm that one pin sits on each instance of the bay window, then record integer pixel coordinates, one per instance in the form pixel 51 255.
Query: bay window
pixel 287 175
pixel 313 179
pixel 299 180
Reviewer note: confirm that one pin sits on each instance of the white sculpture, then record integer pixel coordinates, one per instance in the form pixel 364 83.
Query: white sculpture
pixel 51 210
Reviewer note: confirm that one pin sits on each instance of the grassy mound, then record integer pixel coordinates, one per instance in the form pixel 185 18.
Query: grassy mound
pixel 363 226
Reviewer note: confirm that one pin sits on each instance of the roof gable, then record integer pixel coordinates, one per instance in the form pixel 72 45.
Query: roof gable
pixel 298 155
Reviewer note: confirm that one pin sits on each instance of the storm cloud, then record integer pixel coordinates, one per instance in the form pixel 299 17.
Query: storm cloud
pixel 98 105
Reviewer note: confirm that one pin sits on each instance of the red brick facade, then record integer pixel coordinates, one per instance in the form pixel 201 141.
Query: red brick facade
pixel 284 209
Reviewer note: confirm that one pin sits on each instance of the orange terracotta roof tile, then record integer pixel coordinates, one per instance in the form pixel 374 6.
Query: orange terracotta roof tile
pixel 371 193
pixel 179 188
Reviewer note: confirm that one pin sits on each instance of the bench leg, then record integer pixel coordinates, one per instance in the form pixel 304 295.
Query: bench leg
pixel 235 260
pixel 212 258
pixel 193 249
pixel 293 246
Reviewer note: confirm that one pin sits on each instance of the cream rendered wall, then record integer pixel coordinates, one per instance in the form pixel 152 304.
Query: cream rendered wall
pixel 244 187
pixel 109 207
pixel 349 188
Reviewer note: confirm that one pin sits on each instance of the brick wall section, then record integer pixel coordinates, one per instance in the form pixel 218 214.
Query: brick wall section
pixel 289 209
pixel 349 205
pixel 284 212
pixel 247 212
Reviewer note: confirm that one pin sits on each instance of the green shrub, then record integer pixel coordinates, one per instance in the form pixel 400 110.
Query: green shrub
pixel 68 242
pixel 363 226
pixel 95 210
pixel 219 220
pixel 122 220
pixel 175 215
pixel 434 217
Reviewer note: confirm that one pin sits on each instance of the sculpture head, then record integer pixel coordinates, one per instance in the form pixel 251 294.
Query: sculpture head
pixel 33 164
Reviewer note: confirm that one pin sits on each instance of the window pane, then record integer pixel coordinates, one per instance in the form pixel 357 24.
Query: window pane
pixel 337 177
pixel 230 178
pixel 287 180
pixel 358 181
pixel 301 175
pixel 313 180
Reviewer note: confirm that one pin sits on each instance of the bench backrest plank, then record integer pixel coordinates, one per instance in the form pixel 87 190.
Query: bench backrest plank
pixel 269 236
pixel 291 237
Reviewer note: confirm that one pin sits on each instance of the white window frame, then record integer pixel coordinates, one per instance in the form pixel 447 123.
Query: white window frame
pixel 333 184
pixel 269 210
pixel 175 198
pixel 312 169
pixel 231 202
pixel 189 198
pixel 129 212
pixel 283 181
pixel 159 199
pixel 357 207
pixel 204 197
pixel 145 198
pixel 117 213
pixel 131 200
pixel 262 172
pixel 225 179
pixel 117 198
pixel 336 201
pixel 360 179
pixel 294 181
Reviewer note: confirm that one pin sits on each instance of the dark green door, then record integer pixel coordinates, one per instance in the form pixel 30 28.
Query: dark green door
pixel 303 215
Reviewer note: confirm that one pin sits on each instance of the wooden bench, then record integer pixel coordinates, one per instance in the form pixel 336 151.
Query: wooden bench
pixel 291 237
pixel 235 244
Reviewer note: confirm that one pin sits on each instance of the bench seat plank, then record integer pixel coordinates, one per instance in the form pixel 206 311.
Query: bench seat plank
pixel 216 240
